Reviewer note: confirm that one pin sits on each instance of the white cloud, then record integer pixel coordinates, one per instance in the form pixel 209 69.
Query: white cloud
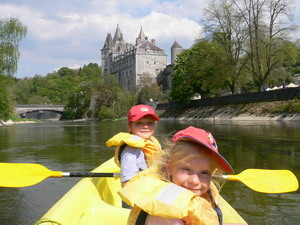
pixel 167 28
pixel 73 66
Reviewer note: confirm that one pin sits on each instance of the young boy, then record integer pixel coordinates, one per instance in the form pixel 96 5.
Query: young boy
pixel 137 149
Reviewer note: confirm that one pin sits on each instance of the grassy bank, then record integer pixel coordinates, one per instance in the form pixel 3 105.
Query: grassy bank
pixel 16 119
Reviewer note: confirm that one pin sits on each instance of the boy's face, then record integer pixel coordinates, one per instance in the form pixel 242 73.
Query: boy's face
pixel 143 128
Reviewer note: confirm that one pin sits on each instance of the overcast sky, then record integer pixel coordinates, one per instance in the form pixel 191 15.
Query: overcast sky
pixel 71 33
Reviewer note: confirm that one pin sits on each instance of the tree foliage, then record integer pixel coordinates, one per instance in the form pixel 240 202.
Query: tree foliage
pixel 149 91
pixel 254 36
pixel 112 100
pixel 199 71
pixel 56 87
pixel 224 25
pixel 104 99
pixel 273 43
pixel 79 101
pixel 5 104
pixel 268 25
pixel 12 31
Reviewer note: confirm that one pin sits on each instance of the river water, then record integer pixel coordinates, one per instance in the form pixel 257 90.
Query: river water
pixel 80 146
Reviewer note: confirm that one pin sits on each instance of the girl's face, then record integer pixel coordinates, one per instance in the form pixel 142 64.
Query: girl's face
pixel 193 173
pixel 143 128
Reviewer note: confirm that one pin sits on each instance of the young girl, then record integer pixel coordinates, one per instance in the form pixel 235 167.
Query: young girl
pixel 179 189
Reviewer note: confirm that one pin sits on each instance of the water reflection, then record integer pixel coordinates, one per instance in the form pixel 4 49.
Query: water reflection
pixel 80 146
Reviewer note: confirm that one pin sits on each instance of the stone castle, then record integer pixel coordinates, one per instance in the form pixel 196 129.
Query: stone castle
pixel 129 63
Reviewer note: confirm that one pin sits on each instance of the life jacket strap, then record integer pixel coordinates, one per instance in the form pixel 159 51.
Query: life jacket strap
pixel 120 151
pixel 141 220
pixel 216 207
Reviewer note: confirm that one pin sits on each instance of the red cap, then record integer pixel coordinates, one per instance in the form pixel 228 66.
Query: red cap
pixel 139 111
pixel 205 139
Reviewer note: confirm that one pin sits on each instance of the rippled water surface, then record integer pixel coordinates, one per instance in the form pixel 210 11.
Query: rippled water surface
pixel 80 146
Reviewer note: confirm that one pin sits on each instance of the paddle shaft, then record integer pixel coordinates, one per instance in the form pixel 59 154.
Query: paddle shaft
pixel 87 174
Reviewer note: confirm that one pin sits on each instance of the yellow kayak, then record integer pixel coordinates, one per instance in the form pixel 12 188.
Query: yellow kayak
pixel 95 201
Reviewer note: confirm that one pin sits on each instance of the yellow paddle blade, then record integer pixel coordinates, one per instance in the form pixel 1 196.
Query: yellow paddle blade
pixel 267 181
pixel 24 174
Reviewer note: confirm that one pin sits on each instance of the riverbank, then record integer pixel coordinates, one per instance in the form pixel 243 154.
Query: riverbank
pixel 10 122
pixel 276 111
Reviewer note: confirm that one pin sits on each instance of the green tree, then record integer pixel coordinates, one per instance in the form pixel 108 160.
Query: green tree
pixel 268 27
pixel 148 90
pixel 5 105
pixel 116 100
pixel 104 99
pixel 65 71
pixel 22 90
pixel 199 71
pixel 253 34
pixel 296 66
pixel 92 71
pixel 224 25
pixel 12 32
pixel 56 87
pixel 283 69
pixel 79 101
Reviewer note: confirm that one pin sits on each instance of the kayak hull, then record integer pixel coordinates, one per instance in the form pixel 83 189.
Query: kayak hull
pixel 95 201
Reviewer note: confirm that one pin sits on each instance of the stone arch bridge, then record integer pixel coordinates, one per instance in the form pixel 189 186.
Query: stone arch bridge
pixel 41 112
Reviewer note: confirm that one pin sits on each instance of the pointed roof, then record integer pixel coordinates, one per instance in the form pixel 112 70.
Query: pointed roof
pixel 176 45
pixel 108 41
pixel 118 35
pixel 142 36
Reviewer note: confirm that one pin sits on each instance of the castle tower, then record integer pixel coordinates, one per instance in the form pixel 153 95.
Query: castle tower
pixel 141 38
pixel 118 35
pixel 105 51
pixel 176 49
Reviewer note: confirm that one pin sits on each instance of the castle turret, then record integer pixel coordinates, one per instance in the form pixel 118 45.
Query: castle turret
pixel 141 38
pixel 108 44
pixel 176 49
pixel 118 35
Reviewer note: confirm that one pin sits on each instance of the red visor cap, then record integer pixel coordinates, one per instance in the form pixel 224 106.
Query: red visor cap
pixel 139 111
pixel 205 139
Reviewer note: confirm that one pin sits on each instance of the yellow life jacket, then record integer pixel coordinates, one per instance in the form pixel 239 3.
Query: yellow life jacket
pixel 150 147
pixel 157 197
pixel 150 195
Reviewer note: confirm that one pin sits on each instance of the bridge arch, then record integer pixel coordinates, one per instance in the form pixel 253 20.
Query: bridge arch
pixel 41 112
